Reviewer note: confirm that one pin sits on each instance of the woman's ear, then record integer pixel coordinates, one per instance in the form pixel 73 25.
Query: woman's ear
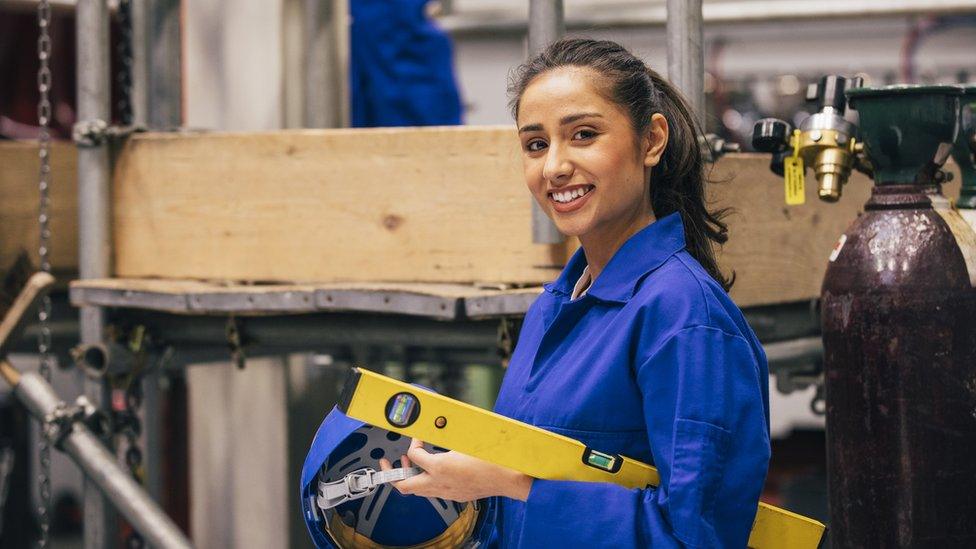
pixel 656 139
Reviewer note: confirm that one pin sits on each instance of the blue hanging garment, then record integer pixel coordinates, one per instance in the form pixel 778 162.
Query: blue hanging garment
pixel 401 68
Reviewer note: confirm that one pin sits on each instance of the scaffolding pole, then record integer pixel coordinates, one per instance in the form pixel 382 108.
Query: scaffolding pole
pixel 99 465
pixel 686 59
pixel 93 219
pixel 546 25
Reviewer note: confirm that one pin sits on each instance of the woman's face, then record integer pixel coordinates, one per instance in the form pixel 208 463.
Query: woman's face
pixel 583 162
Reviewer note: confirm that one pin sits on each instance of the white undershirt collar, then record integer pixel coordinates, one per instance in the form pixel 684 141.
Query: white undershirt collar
pixel 582 285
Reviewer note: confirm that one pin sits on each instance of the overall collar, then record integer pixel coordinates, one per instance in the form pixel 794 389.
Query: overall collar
pixel 643 252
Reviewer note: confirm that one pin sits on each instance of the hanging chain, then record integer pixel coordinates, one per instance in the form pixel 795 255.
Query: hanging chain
pixel 44 247
pixel 127 402
pixel 124 53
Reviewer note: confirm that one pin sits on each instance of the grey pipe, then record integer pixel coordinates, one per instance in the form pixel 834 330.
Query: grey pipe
pixel 746 11
pixel 94 170
pixel 686 59
pixel 103 470
pixel 103 359
pixel 804 348
pixel 546 25
pixel 160 34
pixel 93 161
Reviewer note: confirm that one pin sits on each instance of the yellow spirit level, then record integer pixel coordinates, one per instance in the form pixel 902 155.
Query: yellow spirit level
pixel 411 411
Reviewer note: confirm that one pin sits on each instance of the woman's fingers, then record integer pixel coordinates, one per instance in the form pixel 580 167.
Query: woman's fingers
pixel 420 457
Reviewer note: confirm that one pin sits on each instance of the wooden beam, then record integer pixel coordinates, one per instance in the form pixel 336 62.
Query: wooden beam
pixel 432 204
pixel 780 253
pixel 19 199
pixel 441 205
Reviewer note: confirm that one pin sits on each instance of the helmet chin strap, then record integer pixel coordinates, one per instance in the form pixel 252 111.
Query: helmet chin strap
pixel 359 484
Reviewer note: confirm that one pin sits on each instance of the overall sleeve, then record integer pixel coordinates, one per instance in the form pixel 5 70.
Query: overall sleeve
pixel 704 407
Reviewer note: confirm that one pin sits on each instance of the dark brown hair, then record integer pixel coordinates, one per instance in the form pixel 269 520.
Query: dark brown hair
pixel 678 181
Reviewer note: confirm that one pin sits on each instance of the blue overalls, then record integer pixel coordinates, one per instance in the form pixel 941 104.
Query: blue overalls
pixel 654 362
pixel 401 66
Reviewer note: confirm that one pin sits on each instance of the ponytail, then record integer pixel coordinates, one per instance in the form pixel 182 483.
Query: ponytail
pixel 678 181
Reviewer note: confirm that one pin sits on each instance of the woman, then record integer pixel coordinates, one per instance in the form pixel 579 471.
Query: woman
pixel 636 348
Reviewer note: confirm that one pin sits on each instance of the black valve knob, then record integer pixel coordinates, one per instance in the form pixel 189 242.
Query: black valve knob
pixel 771 135
pixel 830 91
pixel 777 164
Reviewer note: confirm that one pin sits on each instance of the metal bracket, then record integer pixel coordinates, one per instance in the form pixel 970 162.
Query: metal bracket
pixel 236 341
pixel 89 133
pixel 508 333
pixel 92 133
pixel 59 422
pixel 715 147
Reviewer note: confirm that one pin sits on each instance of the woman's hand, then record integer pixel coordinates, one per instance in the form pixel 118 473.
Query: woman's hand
pixel 458 477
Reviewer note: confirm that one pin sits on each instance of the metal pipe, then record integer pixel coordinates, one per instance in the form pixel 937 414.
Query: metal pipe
pixel 546 25
pixel 94 169
pixel 746 11
pixel 804 348
pixel 686 59
pixel 140 64
pixel 101 468
pixel 161 35
pixel 311 332
pixel 324 80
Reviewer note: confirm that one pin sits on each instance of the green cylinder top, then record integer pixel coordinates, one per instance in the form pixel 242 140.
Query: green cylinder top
pixel 903 126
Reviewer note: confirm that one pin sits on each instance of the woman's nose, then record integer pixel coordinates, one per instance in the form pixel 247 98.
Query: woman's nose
pixel 557 165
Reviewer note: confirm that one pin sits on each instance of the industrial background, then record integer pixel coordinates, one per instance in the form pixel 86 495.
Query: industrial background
pixel 213 314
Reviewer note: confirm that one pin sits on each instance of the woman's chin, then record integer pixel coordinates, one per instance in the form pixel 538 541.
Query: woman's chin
pixel 571 229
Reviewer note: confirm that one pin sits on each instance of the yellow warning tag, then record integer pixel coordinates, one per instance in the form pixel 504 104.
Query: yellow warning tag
pixel 793 177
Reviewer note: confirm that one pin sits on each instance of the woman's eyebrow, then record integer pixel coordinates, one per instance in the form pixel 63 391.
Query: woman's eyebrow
pixel 568 119
pixel 530 128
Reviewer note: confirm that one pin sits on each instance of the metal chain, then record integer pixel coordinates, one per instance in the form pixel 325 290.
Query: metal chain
pixel 130 426
pixel 124 53
pixel 44 247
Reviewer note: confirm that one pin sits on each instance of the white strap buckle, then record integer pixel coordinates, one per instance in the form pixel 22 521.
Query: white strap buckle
pixel 359 484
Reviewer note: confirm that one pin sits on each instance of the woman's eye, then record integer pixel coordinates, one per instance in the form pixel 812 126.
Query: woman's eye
pixel 584 134
pixel 535 145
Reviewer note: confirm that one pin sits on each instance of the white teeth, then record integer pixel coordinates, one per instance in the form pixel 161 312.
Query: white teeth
pixel 569 196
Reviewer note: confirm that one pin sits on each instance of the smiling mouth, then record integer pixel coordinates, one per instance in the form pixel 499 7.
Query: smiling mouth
pixel 571 195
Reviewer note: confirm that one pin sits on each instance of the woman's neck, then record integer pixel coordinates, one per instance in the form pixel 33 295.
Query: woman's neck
pixel 600 245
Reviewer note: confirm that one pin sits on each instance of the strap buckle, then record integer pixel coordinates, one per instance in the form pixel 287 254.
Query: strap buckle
pixel 359 484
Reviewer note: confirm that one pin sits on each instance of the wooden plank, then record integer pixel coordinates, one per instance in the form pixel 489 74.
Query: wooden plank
pixel 440 205
pixel 19 167
pixel 780 253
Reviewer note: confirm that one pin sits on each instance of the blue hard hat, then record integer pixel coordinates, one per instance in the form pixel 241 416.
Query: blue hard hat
pixel 346 451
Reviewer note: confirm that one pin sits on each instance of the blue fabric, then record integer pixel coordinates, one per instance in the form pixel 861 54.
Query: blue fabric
pixel 656 363
pixel 335 428
pixel 401 66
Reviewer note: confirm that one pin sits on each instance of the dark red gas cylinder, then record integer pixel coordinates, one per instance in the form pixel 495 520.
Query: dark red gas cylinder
pixel 899 331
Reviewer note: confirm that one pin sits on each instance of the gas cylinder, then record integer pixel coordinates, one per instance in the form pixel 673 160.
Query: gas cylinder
pixel 899 332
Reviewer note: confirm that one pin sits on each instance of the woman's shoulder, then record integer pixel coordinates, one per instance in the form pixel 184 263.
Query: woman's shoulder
pixel 680 295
